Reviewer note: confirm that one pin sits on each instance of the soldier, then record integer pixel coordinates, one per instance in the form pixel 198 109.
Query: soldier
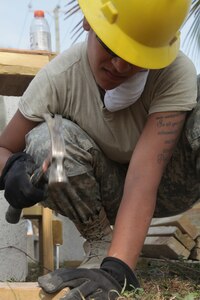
pixel 127 160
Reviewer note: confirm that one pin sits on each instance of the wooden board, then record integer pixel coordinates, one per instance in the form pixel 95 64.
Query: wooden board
pixel 27 291
pixel 32 212
pixel 180 221
pixel 193 215
pixel 174 231
pixel 197 241
pixel 195 254
pixel 166 246
pixel 18 67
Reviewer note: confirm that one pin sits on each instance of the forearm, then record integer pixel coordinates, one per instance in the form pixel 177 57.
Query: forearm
pixel 4 155
pixel 132 223
pixel 148 162
pixel 12 139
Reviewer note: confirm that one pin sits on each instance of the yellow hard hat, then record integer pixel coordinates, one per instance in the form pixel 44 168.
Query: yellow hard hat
pixel 142 32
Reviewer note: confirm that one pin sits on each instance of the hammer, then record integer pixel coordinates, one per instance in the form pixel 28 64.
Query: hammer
pixel 56 161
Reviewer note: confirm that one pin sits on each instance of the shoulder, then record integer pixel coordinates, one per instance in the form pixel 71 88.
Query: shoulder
pixel 182 68
pixel 67 59
pixel 173 87
pixel 69 68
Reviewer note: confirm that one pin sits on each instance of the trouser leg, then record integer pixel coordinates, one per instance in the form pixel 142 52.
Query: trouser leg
pixel 92 197
pixel 96 181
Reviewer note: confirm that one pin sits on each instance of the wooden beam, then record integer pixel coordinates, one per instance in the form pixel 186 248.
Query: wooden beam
pixel 164 246
pixel 23 62
pixel 193 215
pixel 180 221
pixel 184 238
pixel 47 240
pixel 18 67
pixel 27 291
pixel 33 212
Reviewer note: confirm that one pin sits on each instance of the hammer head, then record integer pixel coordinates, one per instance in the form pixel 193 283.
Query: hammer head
pixel 58 152
pixel 57 171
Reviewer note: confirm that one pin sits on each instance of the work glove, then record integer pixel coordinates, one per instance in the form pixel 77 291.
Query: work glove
pixel 15 180
pixel 95 284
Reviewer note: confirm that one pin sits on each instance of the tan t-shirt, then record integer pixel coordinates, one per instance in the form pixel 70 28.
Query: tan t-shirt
pixel 66 86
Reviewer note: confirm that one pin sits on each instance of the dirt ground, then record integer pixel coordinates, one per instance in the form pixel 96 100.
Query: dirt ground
pixel 168 280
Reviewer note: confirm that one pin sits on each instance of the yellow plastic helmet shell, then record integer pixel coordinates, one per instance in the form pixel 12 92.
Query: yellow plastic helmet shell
pixel 142 32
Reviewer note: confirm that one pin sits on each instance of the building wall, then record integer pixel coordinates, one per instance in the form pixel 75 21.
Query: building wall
pixel 72 249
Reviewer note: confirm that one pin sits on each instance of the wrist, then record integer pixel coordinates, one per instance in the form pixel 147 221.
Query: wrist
pixel 9 163
pixel 120 271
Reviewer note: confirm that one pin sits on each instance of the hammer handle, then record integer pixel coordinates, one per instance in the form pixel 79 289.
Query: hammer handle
pixel 13 214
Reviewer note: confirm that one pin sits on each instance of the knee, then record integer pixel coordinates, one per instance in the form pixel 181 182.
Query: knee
pixel 38 142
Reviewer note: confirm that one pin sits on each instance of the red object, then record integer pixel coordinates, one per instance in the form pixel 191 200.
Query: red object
pixel 39 13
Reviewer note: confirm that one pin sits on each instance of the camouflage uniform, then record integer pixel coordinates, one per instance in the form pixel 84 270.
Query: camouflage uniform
pixel 98 182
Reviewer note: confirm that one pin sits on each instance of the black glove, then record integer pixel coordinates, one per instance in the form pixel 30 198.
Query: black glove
pixel 15 180
pixel 98 284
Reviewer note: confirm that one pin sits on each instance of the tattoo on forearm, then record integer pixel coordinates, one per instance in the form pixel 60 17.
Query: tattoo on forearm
pixel 167 132
pixel 169 126
pixel 170 142
pixel 164 156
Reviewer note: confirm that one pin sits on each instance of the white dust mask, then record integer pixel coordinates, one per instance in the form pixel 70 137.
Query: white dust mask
pixel 126 93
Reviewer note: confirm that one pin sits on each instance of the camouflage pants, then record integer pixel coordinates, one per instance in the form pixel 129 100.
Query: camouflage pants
pixel 97 181
pixel 94 180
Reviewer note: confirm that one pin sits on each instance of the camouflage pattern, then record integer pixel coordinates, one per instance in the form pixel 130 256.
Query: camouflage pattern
pixel 179 187
pixel 193 126
pixel 95 181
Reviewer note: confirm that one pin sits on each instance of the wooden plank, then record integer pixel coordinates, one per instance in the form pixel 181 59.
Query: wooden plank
pixel 22 62
pixel 16 50
pixel 187 241
pixel 195 254
pixel 18 67
pixel 27 291
pixel 180 221
pixel 33 212
pixel 160 247
pixel 197 242
pixel 184 239
pixel 193 215
pixel 47 239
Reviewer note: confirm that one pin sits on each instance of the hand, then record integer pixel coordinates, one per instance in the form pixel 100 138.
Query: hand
pixel 98 284
pixel 15 180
